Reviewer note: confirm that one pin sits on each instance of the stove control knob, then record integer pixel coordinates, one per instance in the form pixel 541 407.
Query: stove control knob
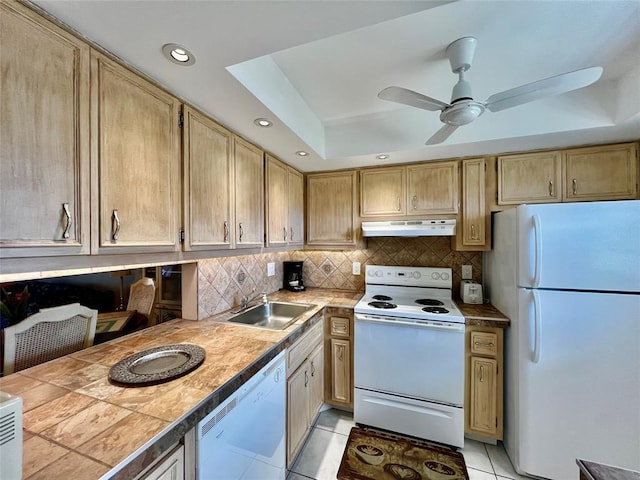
pixel 370 273
pixel 435 276
pixel 378 273
pixel 445 276
pixel 417 275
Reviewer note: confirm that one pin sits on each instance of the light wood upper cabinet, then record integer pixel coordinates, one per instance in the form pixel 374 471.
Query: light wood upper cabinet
pixel 601 173
pixel 207 182
pixel 249 194
pixel 331 201
pixel 432 188
pixel 530 178
pixel 285 198
pixel 44 147
pixel 474 230
pixel 135 154
pixel 382 191
pixel 296 207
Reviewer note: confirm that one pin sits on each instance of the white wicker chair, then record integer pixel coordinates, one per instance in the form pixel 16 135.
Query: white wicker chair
pixel 50 333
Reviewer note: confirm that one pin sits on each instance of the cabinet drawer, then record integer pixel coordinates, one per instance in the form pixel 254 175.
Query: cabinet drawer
pixel 339 327
pixel 484 343
pixel 303 347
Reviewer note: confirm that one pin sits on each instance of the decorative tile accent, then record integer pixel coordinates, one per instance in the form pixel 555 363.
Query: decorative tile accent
pixel 223 281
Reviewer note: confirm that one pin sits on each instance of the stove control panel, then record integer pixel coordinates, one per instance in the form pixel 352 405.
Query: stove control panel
pixel 408 276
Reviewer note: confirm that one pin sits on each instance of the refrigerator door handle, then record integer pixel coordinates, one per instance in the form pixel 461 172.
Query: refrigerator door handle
pixel 537 237
pixel 536 327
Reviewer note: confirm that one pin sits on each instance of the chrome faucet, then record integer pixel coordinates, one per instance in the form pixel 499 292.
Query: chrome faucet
pixel 246 301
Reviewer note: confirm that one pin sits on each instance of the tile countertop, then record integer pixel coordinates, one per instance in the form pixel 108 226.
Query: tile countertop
pixel 78 425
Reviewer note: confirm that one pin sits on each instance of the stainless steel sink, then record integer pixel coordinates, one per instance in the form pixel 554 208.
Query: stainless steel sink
pixel 272 315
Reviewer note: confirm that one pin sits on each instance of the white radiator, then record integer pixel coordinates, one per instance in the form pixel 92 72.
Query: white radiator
pixel 10 437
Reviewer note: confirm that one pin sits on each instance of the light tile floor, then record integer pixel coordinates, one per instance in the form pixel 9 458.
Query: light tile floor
pixel 321 454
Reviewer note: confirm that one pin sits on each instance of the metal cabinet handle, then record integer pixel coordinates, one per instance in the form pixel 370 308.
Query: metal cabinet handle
pixel 313 369
pixel 399 203
pixel 414 202
pixel 306 378
pixel 241 232
pixel 226 232
pixel 575 186
pixel 482 373
pixel 550 188
pixel 291 236
pixel 481 344
pixel 473 232
pixel 67 213
pixel 340 352
pixel 284 229
pixel 115 226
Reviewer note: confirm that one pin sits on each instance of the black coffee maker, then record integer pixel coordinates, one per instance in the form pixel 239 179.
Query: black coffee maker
pixel 292 278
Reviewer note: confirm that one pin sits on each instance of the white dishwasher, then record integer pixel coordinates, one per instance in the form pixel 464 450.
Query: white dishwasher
pixel 244 437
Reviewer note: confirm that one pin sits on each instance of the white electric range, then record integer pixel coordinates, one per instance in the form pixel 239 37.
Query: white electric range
pixel 409 354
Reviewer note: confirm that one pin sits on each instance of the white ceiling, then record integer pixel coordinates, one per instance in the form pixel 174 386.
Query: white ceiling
pixel 315 67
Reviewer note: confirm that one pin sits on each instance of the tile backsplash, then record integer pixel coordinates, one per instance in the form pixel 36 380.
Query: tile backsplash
pixel 223 281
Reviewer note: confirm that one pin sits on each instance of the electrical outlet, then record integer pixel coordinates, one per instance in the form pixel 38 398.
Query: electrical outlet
pixel 467 272
pixel 355 268
pixel 271 269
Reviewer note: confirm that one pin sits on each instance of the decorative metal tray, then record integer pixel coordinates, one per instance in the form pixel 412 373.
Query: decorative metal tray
pixel 157 365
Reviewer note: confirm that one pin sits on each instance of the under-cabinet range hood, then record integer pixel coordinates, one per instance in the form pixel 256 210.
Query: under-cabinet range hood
pixel 410 228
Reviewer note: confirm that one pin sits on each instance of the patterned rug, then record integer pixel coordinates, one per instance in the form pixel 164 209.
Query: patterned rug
pixel 371 455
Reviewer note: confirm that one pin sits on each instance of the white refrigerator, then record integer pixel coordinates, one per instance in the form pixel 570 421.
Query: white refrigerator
pixel 568 277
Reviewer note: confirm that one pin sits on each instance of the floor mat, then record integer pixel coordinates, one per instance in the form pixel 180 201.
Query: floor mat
pixel 372 455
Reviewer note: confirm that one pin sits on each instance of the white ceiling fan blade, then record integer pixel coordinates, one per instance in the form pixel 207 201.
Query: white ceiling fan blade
pixel 441 135
pixel 543 88
pixel 411 98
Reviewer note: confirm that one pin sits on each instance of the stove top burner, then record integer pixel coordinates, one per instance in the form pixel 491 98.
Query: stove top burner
pixel 381 297
pixel 435 310
pixel 432 302
pixel 382 305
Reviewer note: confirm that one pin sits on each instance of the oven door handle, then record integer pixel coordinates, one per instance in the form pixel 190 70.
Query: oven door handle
pixel 456 327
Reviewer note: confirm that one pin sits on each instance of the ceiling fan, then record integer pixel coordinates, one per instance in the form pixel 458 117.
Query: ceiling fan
pixel 463 109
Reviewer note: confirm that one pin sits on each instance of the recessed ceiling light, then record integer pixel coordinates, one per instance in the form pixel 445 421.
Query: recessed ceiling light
pixel 382 157
pixel 302 153
pixel 178 54
pixel 262 122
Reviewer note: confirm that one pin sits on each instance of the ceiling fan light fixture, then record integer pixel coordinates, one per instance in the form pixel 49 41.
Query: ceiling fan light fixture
pixel 462 113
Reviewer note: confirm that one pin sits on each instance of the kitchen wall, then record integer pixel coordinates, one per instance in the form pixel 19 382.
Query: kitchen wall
pixel 223 281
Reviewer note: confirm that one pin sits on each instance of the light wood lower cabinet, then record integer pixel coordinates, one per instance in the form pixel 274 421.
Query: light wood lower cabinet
pixel 169 467
pixel 484 382
pixel 305 387
pixel 339 357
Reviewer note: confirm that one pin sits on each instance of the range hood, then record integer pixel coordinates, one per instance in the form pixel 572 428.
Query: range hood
pixel 410 228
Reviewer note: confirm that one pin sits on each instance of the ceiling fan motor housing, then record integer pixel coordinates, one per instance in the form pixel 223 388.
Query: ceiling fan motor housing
pixel 462 112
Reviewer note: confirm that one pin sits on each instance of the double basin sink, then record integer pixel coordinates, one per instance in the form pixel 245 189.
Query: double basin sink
pixel 272 315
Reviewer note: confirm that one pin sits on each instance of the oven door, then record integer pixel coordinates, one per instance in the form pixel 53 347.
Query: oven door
pixel 418 359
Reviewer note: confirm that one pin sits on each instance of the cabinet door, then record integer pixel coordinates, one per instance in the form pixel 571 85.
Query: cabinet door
pixel 136 161
pixel 529 178
pixel 297 410
pixel 296 207
pixel 331 199
pixel 340 370
pixel 483 396
pixel 432 188
pixel 171 468
pixel 249 194
pixel 382 192
pixel 207 182
pixel 316 382
pixel 474 206
pixel 44 132
pixel 601 173
pixel 277 196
